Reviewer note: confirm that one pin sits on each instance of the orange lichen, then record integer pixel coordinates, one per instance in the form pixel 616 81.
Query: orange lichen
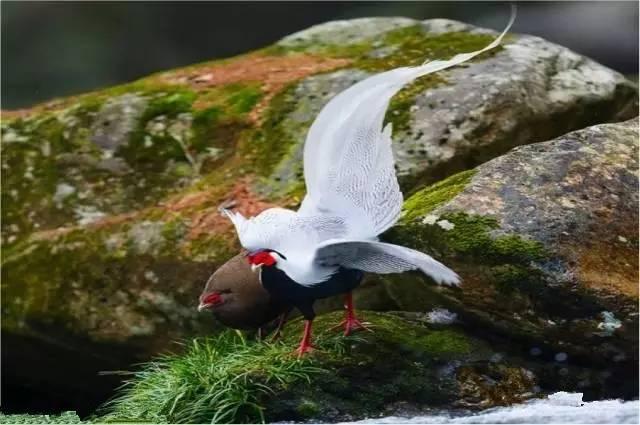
pixel 610 267
pixel 240 198
pixel 272 72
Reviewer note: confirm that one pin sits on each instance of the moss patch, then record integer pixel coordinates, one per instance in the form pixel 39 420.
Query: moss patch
pixel 427 199
pixel 510 258
pixel 63 418
pixel 230 379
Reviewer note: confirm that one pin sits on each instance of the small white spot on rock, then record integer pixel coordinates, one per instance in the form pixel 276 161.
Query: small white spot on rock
pixel 430 219
pixel 151 276
pixel 609 324
pixel 567 203
pixel 28 174
pixel 63 191
pixel 561 357
pixel 622 239
pixel 203 78
pixel 497 357
pixel 446 224
pixel 46 148
pixel 88 214
pixel 441 316
pixel 13 137
pixel 214 152
pixel 146 236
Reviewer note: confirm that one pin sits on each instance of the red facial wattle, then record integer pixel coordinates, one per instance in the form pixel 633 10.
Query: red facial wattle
pixel 212 299
pixel 262 258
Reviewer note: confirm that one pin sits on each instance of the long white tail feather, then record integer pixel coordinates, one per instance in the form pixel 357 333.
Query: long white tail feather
pixel 352 189
pixel 349 166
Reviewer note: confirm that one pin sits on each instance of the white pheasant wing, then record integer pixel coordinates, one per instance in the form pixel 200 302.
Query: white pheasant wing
pixel 284 230
pixel 348 162
pixel 381 258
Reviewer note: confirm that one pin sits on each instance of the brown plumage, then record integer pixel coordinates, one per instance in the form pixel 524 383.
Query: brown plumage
pixel 236 297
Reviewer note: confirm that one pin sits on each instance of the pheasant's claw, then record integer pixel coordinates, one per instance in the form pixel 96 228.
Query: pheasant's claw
pixel 304 349
pixel 351 324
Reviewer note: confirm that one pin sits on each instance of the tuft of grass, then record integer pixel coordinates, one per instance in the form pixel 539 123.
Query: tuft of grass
pixel 62 418
pixel 221 379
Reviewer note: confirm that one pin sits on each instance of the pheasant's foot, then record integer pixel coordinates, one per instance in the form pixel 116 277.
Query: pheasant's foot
pixel 304 349
pixel 351 324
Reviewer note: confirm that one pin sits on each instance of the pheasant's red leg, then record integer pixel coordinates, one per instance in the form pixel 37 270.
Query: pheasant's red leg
pixel 351 323
pixel 305 344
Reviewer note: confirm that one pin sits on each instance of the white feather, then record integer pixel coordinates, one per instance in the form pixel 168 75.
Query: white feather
pixel 352 189
pixel 382 258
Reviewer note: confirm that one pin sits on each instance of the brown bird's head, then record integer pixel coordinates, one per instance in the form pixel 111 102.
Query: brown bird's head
pixel 236 297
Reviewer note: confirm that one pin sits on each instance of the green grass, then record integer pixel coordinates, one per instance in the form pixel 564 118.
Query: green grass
pixel 216 380
pixel 63 418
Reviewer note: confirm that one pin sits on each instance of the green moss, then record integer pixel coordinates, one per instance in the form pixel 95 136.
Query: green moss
pixel 511 277
pixel 471 237
pixel 210 247
pixel 242 99
pixel 426 200
pixel 506 262
pixel 102 263
pixel 399 111
pixel 407 46
pixel 272 142
pixel 63 418
pixel 308 408
pixel 230 379
pixel 412 46
pixel 272 150
pixel 170 104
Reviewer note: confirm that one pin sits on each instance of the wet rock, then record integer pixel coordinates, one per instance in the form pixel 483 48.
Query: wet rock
pixel 545 240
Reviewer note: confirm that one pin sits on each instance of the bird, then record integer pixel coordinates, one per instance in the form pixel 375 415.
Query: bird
pixel 235 296
pixel 353 196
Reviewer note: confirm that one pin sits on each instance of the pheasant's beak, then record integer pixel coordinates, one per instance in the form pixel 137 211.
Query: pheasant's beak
pixel 209 301
pixel 256 267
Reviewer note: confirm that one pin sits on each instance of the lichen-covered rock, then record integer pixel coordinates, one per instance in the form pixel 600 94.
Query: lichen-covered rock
pixel 110 220
pixel 528 91
pixel 545 240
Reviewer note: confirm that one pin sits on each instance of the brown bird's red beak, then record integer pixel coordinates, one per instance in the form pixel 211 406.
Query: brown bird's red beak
pixel 209 301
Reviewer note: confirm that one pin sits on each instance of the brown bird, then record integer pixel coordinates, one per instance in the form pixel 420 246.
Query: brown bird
pixel 237 299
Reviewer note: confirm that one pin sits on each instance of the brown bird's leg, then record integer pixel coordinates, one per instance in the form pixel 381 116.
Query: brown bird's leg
pixel 305 344
pixel 281 322
pixel 351 322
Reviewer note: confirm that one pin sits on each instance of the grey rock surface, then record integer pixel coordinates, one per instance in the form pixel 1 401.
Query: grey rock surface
pixel 545 239
pixel 529 91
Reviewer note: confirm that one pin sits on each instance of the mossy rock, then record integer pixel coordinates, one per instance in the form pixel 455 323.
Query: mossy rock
pixel 545 241
pixel 110 220
pixel 402 362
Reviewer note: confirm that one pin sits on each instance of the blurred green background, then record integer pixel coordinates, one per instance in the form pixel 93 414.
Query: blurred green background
pixel 58 49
